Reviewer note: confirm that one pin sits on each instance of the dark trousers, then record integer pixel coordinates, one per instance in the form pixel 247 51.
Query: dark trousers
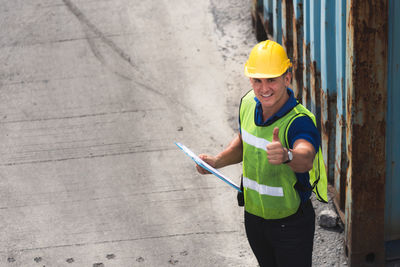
pixel 284 242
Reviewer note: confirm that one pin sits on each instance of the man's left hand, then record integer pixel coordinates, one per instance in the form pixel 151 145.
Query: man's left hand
pixel 276 153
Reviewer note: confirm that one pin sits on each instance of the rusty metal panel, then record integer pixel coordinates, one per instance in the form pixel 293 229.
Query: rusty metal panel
pixel 267 14
pixel 340 165
pixel 277 20
pixel 328 85
pixel 366 78
pixel 315 64
pixel 267 4
pixel 287 27
pixel 297 25
pixel 392 201
pixel 306 54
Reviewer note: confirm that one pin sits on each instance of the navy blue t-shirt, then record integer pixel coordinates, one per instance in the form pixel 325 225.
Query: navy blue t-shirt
pixel 301 128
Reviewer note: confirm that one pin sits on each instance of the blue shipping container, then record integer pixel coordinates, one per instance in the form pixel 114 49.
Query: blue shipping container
pixel 346 70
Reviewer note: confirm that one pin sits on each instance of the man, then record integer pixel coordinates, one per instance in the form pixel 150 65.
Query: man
pixel 279 145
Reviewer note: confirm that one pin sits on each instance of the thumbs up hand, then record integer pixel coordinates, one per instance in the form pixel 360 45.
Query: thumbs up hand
pixel 276 153
pixel 275 137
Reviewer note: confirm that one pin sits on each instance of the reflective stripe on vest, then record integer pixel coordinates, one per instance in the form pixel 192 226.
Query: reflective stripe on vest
pixel 263 189
pixel 255 141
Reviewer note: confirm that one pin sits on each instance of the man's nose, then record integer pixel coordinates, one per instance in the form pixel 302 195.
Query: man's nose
pixel 265 85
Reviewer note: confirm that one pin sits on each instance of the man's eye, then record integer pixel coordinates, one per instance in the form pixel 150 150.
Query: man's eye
pixel 271 80
pixel 257 80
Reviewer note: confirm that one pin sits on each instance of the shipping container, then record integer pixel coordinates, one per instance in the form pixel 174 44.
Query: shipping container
pixel 346 57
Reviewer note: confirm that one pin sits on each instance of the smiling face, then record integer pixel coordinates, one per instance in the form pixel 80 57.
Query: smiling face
pixel 271 92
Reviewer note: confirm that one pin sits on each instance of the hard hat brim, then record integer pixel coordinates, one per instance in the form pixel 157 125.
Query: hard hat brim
pixel 252 74
pixel 261 75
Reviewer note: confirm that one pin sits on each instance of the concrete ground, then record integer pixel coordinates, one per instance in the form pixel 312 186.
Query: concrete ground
pixel 93 96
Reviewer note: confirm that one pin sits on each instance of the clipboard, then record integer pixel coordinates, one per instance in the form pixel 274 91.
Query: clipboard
pixel 206 166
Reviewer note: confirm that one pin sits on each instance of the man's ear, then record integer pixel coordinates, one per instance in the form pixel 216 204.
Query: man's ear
pixel 288 79
pixel 251 80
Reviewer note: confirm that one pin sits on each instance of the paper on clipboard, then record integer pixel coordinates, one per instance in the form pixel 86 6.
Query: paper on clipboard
pixel 206 166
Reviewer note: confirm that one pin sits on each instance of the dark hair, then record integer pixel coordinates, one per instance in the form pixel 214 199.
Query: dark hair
pixel 287 71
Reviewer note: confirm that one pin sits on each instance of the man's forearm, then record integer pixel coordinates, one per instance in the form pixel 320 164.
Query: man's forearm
pixel 303 157
pixel 232 154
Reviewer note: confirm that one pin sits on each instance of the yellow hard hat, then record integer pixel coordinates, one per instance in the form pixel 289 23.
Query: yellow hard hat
pixel 267 59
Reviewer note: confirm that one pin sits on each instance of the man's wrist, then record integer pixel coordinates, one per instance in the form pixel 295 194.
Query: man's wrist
pixel 289 156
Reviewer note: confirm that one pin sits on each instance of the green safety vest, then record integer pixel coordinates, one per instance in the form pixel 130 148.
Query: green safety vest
pixel 269 190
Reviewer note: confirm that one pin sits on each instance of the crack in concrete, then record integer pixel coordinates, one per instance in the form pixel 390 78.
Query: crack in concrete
pixel 83 115
pixel 85 21
pixel 90 27
pixel 110 197
pixel 216 18
pixel 88 157
pixel 127 240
